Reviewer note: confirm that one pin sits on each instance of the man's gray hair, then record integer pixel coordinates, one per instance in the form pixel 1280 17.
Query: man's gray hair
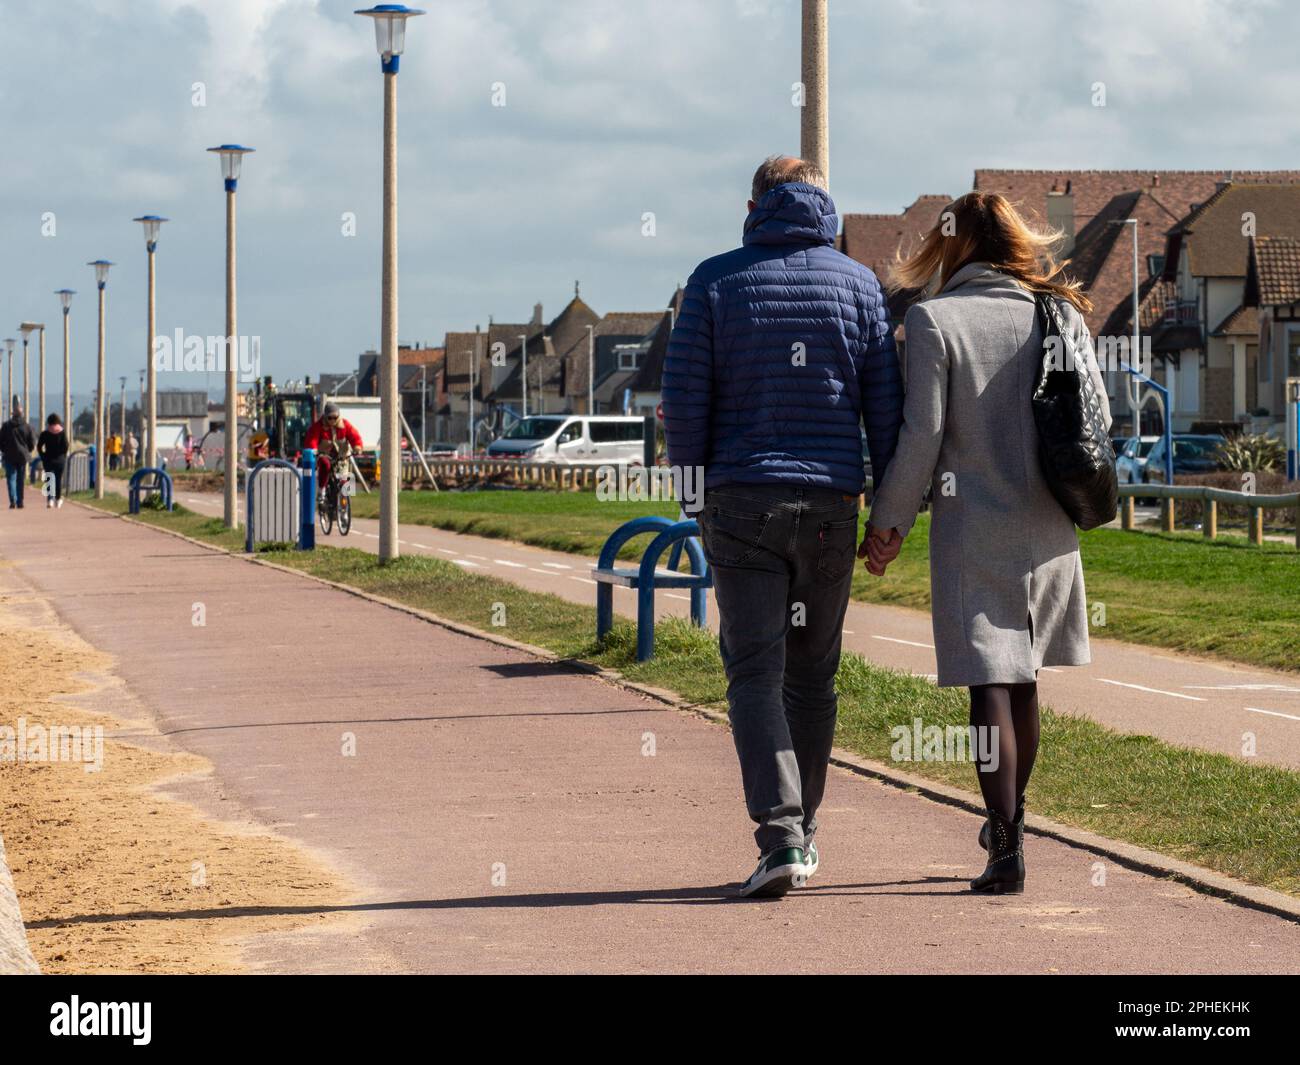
pixel 780 169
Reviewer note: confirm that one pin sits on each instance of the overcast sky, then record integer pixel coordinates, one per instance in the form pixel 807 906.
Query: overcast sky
pixel 613 108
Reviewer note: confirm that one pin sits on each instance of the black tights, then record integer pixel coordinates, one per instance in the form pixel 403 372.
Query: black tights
pixel 1013 710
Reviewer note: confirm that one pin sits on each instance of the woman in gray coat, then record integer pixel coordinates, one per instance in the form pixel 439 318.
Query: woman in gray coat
pixel 1006 582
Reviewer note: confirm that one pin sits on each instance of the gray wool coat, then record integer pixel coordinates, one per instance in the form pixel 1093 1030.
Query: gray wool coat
pixel 1006 581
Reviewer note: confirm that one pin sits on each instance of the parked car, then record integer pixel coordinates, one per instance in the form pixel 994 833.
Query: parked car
pixel 1192 454
pixel 573 440
pixel 1131 458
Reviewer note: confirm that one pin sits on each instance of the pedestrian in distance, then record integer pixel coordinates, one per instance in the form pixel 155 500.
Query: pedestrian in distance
pixel 1005 576
pixel 17 441
pixel 132 449
pixel 782 353
pixel 52 446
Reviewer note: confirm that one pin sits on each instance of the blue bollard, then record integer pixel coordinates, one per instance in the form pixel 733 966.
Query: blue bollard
pixel 307 529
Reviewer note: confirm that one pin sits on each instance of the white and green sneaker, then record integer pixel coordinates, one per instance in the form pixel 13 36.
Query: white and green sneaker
pixel 810 860
pixel 778 872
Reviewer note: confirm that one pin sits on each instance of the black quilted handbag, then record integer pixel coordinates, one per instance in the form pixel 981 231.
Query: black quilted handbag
pixel 1074 449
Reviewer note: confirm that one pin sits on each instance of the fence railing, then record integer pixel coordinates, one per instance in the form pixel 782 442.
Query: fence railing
pixel 1209 498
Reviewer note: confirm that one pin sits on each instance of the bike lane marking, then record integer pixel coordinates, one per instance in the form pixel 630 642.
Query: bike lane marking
pixel 1154 691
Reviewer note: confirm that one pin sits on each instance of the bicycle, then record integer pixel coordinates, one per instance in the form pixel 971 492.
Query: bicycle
pixel 335 504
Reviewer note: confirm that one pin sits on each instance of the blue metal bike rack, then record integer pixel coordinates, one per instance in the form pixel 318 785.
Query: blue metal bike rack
pixel 646 576
pixel 161 484
pixel 307 490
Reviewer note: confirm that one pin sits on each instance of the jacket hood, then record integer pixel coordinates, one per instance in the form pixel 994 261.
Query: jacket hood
pixel 793 213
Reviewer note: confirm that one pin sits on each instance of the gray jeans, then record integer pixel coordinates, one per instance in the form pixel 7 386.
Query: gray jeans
pixel 782 558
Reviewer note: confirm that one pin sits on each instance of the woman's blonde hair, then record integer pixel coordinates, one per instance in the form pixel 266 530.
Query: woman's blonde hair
pixel 983 227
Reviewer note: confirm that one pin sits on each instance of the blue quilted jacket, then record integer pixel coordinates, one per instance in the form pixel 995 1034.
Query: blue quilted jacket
pixel 782 349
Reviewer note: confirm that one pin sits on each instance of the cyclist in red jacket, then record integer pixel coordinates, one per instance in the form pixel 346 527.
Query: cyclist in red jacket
pixel 327 435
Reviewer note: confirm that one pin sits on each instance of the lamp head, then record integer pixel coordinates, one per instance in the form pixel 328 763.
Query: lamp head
pixel 101 271
pixel 231 157
pixel 65 298
pixel 151 223
pixel 390 31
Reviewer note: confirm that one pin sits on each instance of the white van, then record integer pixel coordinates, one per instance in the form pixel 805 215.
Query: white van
pixel 573 440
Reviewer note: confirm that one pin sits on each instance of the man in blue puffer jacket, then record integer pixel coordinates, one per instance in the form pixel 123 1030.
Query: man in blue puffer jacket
pixel 782 350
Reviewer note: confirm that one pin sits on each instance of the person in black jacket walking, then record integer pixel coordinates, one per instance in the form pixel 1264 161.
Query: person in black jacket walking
pixel 16 444
pixel 53 450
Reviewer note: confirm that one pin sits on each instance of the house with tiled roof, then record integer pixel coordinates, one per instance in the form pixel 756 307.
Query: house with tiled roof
pixel 1089 208
pixel 646 388
pixel 543 347
pixel 879 240
pixel 1209 341
pixel 419 385
pixel 1272 291
pixel 601 363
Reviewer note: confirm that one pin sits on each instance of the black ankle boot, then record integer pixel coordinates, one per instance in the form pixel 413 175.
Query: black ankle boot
pixel 1005 873
pixel 1019 823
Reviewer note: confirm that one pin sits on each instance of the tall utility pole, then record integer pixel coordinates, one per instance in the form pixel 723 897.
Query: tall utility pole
pixel 814 122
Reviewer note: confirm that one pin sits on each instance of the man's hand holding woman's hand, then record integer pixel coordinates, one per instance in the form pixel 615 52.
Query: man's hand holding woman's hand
pixel 880 547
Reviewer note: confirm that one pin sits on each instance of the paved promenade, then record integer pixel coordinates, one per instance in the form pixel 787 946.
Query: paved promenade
pixel 499 813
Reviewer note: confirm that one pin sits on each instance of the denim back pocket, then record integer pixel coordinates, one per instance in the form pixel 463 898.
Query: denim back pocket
pixel 732 538
pixel 838 547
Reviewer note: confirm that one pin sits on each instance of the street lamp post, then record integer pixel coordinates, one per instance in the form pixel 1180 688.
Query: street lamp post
pixel 31 327
pixel 1133 384
pixel 151 223
pixel 424 405
pixel 27 329
pixel 473 367
pixel 591 369
pixel 65 301
pixel 101 280
pixel 523 375
pixel 9 390
pixel 390 41
pixel 231 156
